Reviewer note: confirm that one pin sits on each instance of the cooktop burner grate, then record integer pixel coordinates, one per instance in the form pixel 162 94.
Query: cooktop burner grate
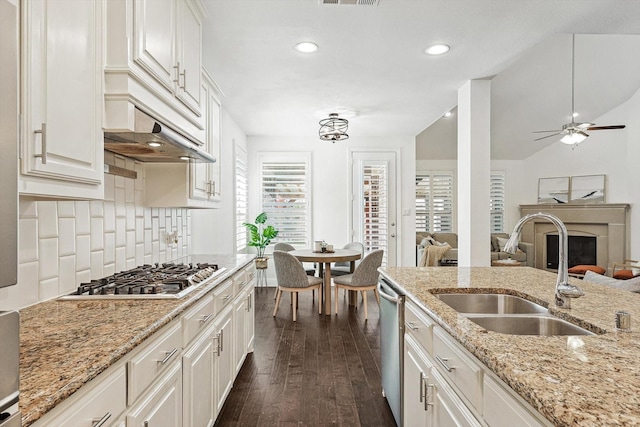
pixel 167 280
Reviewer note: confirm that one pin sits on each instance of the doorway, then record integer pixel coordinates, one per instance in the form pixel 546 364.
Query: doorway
pixel 373 195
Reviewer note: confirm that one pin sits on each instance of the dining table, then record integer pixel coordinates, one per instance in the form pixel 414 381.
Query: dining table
pixel 324 259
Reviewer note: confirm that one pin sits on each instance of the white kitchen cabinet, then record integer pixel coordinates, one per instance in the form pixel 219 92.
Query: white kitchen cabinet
pixel 101 402
pixel 199 381
pixel 62 141
pixel 168 46
pixel 429 400
pixel 445 385
pixel 194 185
pixel 224 369
pixel 243 322
pixel 162 405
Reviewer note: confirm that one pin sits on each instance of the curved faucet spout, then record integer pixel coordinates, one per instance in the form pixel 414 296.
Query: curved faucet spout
pixel 564 291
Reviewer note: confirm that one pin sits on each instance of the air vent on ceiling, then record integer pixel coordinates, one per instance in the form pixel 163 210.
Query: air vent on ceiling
pixel 352 2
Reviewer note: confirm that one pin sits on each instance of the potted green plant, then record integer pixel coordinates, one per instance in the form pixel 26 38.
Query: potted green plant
pixel 260 237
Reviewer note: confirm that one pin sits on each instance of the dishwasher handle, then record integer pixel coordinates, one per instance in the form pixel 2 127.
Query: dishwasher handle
pixel 390 298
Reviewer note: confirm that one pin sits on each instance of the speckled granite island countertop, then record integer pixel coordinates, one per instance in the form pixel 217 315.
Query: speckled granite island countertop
pixel 576 381
pixel 64 344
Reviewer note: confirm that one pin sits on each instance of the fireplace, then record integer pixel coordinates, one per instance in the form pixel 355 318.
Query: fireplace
pixel 606 223
pixel 582 251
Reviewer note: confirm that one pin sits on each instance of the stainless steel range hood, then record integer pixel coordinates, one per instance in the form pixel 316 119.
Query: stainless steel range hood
pixel 152 141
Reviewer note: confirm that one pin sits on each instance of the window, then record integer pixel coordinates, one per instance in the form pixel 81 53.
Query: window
pixel 434 201
pixel 241 198
pixel 496 202
pixel 284 191
pixel 375 211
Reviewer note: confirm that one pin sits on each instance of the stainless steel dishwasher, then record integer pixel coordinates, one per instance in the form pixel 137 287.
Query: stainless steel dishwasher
pixel 392 345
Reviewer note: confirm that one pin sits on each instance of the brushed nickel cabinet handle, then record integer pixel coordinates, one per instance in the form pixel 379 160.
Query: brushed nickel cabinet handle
pixel 413 326
pixel 177 68
pixel 206 318
pixel 168 356
pixel 42 131
pixel 444 364
pixel 100 422
pixel 184 79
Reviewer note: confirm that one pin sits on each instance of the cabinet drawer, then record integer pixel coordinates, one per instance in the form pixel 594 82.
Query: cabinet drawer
pixel 103 402
pixel 456 366
pixel 222 296
pixel 501 409
pixel 419 325
pixel 197 318
pixel 145 366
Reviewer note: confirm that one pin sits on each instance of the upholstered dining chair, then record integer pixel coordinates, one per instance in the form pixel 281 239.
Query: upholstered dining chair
pixel 292 278
pixel 286 247
pixel 365 278
pixel 342 268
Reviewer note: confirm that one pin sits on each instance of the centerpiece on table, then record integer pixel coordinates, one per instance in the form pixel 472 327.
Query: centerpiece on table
pixel 260 237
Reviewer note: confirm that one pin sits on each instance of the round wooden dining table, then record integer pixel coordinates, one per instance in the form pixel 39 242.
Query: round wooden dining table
pixel 326 258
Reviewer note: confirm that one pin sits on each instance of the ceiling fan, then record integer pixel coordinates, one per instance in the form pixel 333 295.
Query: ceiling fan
pixel 574 133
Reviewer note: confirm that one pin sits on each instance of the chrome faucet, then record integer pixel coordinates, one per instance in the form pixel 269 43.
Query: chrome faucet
pixel 564 291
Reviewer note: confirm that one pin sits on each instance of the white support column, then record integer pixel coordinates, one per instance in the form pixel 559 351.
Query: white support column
pixel 474 172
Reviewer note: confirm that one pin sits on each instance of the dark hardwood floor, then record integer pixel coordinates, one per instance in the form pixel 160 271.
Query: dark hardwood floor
pixel 319 371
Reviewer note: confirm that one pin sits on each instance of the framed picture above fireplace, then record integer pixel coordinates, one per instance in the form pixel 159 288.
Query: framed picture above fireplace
pixel 587 189
pixel 553 190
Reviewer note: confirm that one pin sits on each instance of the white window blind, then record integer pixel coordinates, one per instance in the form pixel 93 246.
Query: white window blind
pixel 285 199
pixel 241 198
pixel 375 212
pixel 434 201
pixel 496 202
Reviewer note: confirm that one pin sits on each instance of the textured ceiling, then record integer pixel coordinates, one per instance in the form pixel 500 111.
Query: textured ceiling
pixel 371 65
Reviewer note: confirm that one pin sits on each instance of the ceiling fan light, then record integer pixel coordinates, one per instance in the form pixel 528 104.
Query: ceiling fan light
pixel 573 138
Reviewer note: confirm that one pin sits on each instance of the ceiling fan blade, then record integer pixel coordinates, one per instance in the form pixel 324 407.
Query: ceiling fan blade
pixel 584 125
pixel 606 127
pixel 543 131
pixel 548 136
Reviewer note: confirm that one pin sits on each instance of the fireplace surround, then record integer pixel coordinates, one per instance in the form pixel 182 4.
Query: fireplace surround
pixel 608 223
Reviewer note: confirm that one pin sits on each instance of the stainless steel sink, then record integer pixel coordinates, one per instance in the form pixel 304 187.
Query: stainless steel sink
pixel 529 325
pixel 490 304
pixel 509 314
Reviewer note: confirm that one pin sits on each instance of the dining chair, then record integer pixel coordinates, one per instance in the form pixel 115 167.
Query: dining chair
pixel 343 268
pixel 286 247
pixel 291 277
pixel 365 278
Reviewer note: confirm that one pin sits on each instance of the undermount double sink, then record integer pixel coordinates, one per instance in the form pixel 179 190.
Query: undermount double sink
pixel 509 314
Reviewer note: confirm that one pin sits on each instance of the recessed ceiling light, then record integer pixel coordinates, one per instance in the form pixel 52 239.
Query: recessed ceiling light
pixel 575 114
pixel 306 47
pixel 447 114
pixel 154 144
pixel 437 49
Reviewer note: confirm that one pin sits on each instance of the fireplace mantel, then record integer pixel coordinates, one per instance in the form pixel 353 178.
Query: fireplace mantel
pixel 607 221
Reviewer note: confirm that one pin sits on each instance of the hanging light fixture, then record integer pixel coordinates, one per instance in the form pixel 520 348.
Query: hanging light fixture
pixel 333 128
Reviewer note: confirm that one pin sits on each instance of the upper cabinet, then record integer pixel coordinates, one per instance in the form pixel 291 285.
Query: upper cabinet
pixel 168 45
pixel 194 185
pixel 61 91
pixel 154 63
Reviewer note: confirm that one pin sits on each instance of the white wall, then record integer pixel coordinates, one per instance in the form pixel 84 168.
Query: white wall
pixel 215 228
pixel 614 153
pixel 330 189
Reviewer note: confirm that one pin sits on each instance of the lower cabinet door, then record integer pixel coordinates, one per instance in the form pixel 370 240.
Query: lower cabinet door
pixel 162 406
pixel 448 409
pixel 225 372
pixel 198 382
pixel 416 411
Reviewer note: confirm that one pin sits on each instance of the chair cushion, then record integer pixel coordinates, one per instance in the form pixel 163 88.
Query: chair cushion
pixel 582 269
pixel 314 280
pixel 343 280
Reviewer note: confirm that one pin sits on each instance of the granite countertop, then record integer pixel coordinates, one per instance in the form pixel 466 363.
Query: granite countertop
pixel 572 381
pixel 64 344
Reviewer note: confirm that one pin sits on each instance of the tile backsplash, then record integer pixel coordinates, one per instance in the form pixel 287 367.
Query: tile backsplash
pixel 64 243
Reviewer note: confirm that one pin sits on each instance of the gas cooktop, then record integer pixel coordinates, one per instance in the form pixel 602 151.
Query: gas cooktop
pixel 157 281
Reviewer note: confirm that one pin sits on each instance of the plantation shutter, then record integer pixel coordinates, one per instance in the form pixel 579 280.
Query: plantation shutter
pixel 285 200
pixel 242 191
pixel 497 202
pixel 434 201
